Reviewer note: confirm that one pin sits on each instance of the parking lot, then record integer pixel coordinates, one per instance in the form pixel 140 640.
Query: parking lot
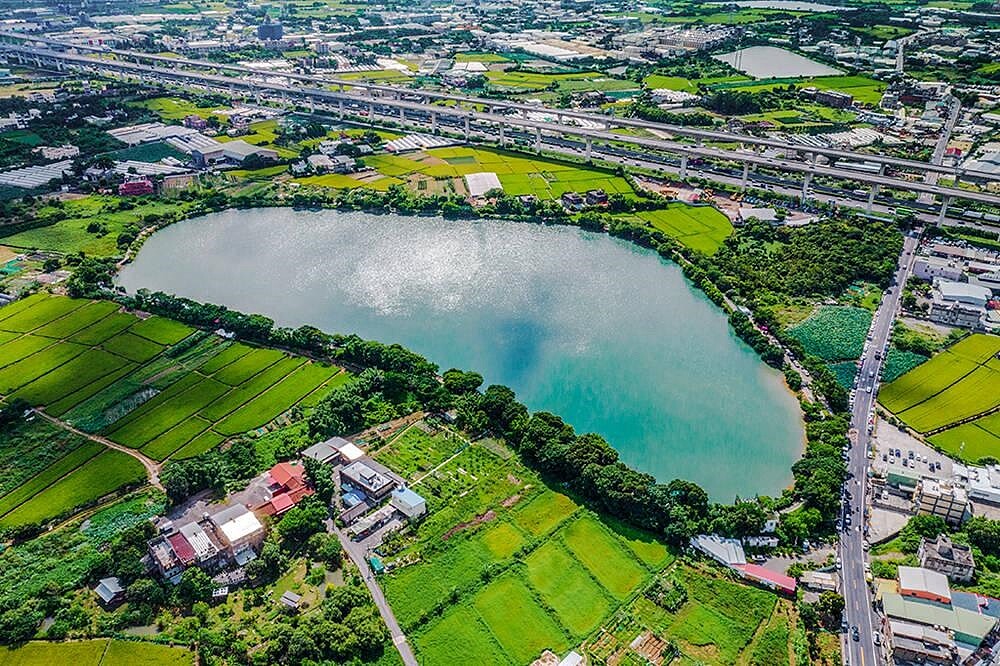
pixel 888 440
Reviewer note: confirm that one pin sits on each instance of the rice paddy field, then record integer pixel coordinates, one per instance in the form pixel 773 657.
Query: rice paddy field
pixel 564 82
pixel 101 652
pixel 150 384
pixel 701 228
pixel 952 397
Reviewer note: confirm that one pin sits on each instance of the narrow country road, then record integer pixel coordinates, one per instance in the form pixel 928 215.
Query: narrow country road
pixel 152 466
pixel 357 554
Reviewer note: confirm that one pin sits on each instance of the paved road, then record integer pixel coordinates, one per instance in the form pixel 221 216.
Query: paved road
pixel 152 466
pixel 854 585
pixel 931 177
pixel 357 553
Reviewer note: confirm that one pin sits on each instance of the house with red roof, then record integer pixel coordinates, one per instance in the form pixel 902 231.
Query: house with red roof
pixel 287 484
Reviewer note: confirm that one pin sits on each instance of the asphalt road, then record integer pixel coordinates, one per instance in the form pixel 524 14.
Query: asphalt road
pixel 357 552
pixel 854 586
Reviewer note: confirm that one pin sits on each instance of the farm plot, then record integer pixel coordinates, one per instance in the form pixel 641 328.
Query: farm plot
pixel 518 623
pixel 77 373
pixel 416 589
pixel 565 586
pixel 604 557
pixel 28 448
pixel 104 329
pixel 971 441
pixel 99 476
pixel 200 444
pixel 834 333
pixel 133 347
pixel 27 370
pixel 543 513
pixel 414 451
pixel 161 331
pixel 701 228
pixel 228 355
pixel 276 400
pixel 250 389
pixel 100 652
pixel 503 540
pixel 719 618
pixel 161 446
pixel 977 392
pixel 925 381
pixel 167 413
pixel 459 637
pixel 40 312
pixel 978 348
pixel 246 367
pixel 52 473
pixel 21 347
pixel 89 314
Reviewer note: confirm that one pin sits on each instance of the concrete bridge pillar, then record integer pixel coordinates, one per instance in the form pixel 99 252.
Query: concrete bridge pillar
pixel 402 114
pixel 684 167
pixel 805 185
pixel 944 209
pixel 434 122
pixel 590 147
pixel 371 112
pixel 468 128
pixel 538 140
pixel 746 175
pixel 872 193
pixel 312 105
pixel 503 139
pixel 340 109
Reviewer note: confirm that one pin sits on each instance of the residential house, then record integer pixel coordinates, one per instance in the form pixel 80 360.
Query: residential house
pixel 363 475
pixel 241 532
pixel 287 485
pixel 110 592
pixel 409 503
pixel 954 560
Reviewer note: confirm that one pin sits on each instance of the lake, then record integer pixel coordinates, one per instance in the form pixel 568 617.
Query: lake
pixel 767 62
pixel 606 334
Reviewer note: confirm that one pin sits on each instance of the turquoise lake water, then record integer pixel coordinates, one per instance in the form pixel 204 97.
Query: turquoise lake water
pixel 603 333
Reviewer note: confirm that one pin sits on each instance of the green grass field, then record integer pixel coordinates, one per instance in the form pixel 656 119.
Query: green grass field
pixel 971 441
pixel 70 235
pixel 564 585
pixel 701 228
pixel 958 383
pixel 543 513
pixel 99 476
pixel 518 174
pixel 459 634
pixel 521 627
pixel 604 557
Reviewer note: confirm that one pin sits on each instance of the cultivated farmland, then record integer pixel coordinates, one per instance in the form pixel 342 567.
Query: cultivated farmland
pixel 101 652
pixel 701 228
pixel 151 384
pixel 959 383
pixel 834 333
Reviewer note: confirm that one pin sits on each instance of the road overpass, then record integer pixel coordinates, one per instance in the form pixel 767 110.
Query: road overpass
pixel 414 108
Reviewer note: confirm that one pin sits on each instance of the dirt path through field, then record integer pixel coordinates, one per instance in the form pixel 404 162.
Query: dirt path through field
pixel 152 466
